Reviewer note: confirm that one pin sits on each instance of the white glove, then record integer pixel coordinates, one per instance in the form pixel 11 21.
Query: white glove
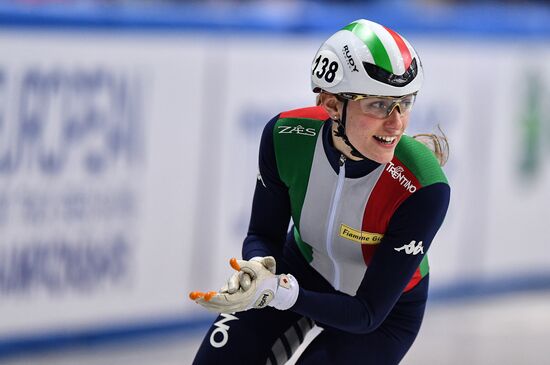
pixel 241 279
pixel 266 288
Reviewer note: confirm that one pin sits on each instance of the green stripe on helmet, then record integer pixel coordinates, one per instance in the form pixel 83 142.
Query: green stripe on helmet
pixel 374 44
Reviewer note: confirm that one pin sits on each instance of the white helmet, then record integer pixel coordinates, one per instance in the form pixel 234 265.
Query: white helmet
pixel 366 58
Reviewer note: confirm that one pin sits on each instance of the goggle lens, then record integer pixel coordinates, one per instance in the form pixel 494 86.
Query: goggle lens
pixel 380 107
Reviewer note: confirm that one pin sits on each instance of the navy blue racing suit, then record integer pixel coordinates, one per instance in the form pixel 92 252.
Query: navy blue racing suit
pixel 371 319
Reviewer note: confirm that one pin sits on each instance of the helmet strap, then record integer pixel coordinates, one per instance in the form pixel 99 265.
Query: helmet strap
pixel 341 132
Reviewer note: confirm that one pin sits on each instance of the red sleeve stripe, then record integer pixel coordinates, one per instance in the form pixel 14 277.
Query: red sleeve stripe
pixel 386 197
pixel 315 112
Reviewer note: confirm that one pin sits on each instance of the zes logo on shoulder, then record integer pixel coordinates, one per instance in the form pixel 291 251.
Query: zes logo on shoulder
pixel 287 129
pixel 362 237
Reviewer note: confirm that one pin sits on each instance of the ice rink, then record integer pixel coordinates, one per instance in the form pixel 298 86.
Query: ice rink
pixel 507 330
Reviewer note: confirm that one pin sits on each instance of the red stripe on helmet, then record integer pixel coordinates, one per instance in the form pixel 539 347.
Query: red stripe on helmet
pixel 405 53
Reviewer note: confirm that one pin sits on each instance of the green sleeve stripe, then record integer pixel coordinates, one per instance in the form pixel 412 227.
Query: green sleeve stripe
pixel 424 266
pixel 420 160
pixel 294 140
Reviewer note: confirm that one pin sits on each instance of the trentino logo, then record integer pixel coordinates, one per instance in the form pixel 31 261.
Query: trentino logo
pixel 398 173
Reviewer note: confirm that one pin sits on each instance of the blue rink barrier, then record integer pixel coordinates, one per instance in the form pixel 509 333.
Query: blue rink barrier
pixel 298 17
pixel 475 289
pixel 63 339
pixel 185 326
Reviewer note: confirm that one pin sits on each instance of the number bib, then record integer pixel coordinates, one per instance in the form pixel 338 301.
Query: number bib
pixel 327 69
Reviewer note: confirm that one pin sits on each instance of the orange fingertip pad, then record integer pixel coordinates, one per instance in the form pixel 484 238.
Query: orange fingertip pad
pixel 194 295
pixel 234 264
pixel 209 295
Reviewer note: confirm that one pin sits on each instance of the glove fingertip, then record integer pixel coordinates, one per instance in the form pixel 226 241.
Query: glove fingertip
pixel 234 264
pixel 209 295
pixel 194 295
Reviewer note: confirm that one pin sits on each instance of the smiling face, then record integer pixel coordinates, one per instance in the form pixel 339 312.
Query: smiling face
pixel 375 138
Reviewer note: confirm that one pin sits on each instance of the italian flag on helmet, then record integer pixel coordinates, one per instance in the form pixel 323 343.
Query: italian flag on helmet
pixel 365 57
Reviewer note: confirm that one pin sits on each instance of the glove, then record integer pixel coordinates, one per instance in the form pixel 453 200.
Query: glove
pixel 242 280
pixel 266 288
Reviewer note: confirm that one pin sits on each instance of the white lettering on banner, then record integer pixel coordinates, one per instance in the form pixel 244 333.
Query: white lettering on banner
pixel 297 130
pixel 90 118
pixel 71 162
pixel 223 329
pixel 412 248
pixel 397 172
pixel 60 265
pixel 37 208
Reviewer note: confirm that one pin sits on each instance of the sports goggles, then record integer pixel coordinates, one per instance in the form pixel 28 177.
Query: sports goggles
pixel 380 107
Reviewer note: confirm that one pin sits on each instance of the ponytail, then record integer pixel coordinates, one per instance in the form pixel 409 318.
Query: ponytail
pixel 438 143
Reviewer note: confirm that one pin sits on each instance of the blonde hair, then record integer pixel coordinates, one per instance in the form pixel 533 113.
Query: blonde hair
pixel 438 143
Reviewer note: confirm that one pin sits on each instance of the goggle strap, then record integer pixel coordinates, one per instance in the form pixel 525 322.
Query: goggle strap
pixel 341 132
